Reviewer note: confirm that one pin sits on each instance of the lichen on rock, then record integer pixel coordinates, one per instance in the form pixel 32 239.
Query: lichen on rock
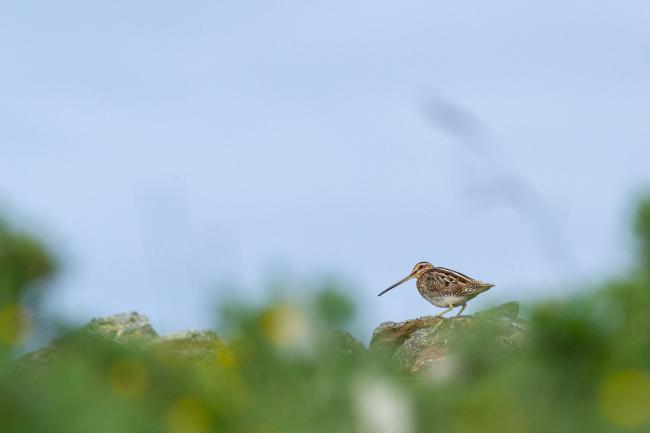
pixel 426 341
pixel 422 344
pixel 133 327
pixel 122 327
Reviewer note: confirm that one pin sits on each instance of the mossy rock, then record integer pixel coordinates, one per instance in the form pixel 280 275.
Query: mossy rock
pixel 425 341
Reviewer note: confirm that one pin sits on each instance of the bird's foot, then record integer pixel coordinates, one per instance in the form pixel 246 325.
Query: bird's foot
pixel 439 315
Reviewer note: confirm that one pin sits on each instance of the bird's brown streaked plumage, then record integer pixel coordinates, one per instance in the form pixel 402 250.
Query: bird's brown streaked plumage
pixel 444 287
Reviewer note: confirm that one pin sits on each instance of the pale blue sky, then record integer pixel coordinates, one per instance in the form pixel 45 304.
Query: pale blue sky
pixel 166 147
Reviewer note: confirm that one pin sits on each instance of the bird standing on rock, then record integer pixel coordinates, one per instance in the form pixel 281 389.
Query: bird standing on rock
pixel 443 287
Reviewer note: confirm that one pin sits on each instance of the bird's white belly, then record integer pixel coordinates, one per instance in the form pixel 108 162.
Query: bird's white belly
pixel 444 301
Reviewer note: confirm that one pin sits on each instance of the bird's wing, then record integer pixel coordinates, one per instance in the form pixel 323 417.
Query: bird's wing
pixel 451 276
pixel 458 283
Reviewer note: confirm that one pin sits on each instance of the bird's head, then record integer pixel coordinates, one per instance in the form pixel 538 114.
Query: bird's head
pixel 418 270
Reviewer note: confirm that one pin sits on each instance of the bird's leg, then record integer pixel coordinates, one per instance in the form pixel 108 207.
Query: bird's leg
pixel 451 307
pixel 462 308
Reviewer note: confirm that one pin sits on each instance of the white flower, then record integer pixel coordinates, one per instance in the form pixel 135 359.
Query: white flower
pixel 381 407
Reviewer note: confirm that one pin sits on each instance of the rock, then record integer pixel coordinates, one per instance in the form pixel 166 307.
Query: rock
pixel 190 344
pixel 122 327
pixel 347 344
pixel 393 334
pixel 40 357
pixel 426 342
pixel 423 344
pixel 134 327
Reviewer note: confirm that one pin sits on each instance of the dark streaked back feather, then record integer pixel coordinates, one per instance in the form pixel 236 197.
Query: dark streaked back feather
pixel 440 281
pixel 453 274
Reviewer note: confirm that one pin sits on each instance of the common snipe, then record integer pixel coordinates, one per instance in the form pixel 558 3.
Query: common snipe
pixel 443 287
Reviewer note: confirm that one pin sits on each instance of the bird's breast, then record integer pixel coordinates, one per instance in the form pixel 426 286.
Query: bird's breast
pixel 438 293
pixel 445 300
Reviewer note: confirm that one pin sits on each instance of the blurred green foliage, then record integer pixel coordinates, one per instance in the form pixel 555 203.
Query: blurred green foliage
pixel 584 366
pixel 642 229
pixel 24 264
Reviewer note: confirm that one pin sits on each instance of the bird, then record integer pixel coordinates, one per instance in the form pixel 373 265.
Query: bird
pixel 443 287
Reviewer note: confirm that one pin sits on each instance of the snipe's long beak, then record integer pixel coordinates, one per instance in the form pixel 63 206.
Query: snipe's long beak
pixel 403 280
